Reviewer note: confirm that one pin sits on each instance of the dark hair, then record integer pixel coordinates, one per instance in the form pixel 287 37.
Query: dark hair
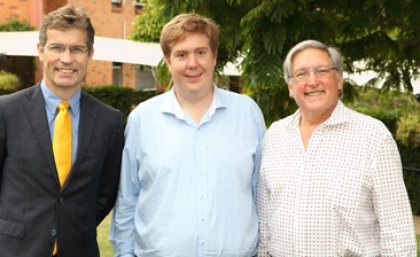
pixel 67 17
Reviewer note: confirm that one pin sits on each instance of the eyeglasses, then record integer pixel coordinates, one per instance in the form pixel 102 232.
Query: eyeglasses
pixel 319 72
pixel 76 51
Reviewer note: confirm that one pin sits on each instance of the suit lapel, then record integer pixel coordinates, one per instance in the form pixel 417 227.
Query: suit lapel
pixel 36 114
pixel 86 125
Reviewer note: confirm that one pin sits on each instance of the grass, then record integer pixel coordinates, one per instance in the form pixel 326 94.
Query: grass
pixel 418 245
pixel 105 247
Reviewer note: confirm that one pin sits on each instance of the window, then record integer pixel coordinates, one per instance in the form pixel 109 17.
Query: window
pixel 117 78
pixel 145 79
pixel 139 5
pixel 116 3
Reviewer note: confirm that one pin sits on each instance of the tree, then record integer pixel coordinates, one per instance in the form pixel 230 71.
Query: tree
pixel 383 34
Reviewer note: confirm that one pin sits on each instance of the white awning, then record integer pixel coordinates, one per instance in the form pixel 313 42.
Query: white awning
pixel 106 49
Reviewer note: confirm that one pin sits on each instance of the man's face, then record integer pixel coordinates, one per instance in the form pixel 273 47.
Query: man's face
pixel 192 63
pixel 65 58
pixel 316 92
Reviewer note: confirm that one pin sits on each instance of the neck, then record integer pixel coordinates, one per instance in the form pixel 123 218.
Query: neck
pixel 195 104
pixel 64 93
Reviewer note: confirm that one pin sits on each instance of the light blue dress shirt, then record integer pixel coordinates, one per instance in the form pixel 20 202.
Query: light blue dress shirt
pixel 188 189
pixel 51 103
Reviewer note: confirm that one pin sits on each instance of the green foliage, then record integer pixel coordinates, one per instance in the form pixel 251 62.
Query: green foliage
pixel 122 98
pixel 408 132
pixel 16 25
pixel 386 105
pixel 276 101
pixel 383 34
pixel 23 67
pixel 9 81
pixel 148 25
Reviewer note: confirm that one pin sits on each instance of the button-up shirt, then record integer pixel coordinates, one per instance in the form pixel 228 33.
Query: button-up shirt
pixel 342 196
pixel 188 189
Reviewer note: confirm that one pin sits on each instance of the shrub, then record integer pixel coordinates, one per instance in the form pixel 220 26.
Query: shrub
pixel 9 81
pixel 408 131
pixel 122 98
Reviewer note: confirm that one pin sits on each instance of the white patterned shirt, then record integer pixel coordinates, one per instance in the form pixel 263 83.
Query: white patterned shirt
pixel 342 196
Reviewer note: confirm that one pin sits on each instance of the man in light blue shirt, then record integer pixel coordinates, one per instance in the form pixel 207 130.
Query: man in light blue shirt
pixel 191 155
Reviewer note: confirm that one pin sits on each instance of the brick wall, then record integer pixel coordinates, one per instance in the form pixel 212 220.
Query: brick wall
pixel 107 21
pixel 14 8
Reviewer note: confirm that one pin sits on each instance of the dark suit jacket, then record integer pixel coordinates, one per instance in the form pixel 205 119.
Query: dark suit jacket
pixel 34 209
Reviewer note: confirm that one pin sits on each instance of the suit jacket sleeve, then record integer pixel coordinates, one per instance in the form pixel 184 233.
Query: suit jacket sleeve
pixel 108 184
pixel 2 143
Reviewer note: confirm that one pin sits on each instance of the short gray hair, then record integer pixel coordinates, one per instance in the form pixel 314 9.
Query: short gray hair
pixel 335 56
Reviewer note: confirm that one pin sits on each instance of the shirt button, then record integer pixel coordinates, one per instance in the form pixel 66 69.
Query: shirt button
pixel 53 232
pixel 60 199
pixel 202 242
pixel 203 219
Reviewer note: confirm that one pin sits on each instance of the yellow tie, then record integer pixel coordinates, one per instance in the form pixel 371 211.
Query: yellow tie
pixel 62 145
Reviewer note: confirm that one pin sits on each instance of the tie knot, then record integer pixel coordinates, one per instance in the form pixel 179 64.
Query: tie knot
pixel 63 105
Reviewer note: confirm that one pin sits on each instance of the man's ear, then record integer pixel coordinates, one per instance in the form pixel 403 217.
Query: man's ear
pixel 91 52
pixel 40 52
pixel 168 63
pixel 290 87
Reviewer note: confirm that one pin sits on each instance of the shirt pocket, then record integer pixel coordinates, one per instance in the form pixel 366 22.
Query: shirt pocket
pixel 12 229
pixel 353 210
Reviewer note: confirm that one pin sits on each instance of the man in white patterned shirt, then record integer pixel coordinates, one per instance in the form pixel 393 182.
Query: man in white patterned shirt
pixel 331 179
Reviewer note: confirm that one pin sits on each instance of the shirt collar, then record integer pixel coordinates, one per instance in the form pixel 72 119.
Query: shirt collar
pixel 171 104
pixel 52 100
pixel 339 115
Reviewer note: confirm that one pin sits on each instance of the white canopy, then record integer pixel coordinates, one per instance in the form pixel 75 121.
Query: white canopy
pixel 106 49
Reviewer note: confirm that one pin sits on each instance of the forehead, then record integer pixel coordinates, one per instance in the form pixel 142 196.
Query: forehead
pixel 309 58
pixel 191 41
pixel 70 36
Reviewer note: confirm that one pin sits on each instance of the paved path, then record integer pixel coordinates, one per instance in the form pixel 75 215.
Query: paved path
pixel 417 224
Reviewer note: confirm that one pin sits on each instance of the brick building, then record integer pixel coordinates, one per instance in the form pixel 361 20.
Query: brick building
pixel 110 18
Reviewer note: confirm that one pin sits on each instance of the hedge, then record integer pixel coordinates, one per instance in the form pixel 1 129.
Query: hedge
pixel 121 98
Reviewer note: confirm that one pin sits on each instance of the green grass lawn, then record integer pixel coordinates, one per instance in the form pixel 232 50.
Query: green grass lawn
pixel 106 248
pixel 418 245
pixel 103 238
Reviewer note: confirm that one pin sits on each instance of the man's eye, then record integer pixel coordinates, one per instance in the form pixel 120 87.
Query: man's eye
pixel 57 48
pixel 202 52
pixel 321 72
pixel 301 74
pixel 77 50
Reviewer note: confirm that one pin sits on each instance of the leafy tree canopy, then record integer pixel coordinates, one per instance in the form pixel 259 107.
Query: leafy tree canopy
pixel 384 34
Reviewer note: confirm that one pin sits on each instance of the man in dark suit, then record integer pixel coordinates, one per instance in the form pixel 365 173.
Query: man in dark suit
pixel 55 191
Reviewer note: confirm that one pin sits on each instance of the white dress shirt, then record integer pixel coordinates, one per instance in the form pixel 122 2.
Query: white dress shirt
pixel 343 195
